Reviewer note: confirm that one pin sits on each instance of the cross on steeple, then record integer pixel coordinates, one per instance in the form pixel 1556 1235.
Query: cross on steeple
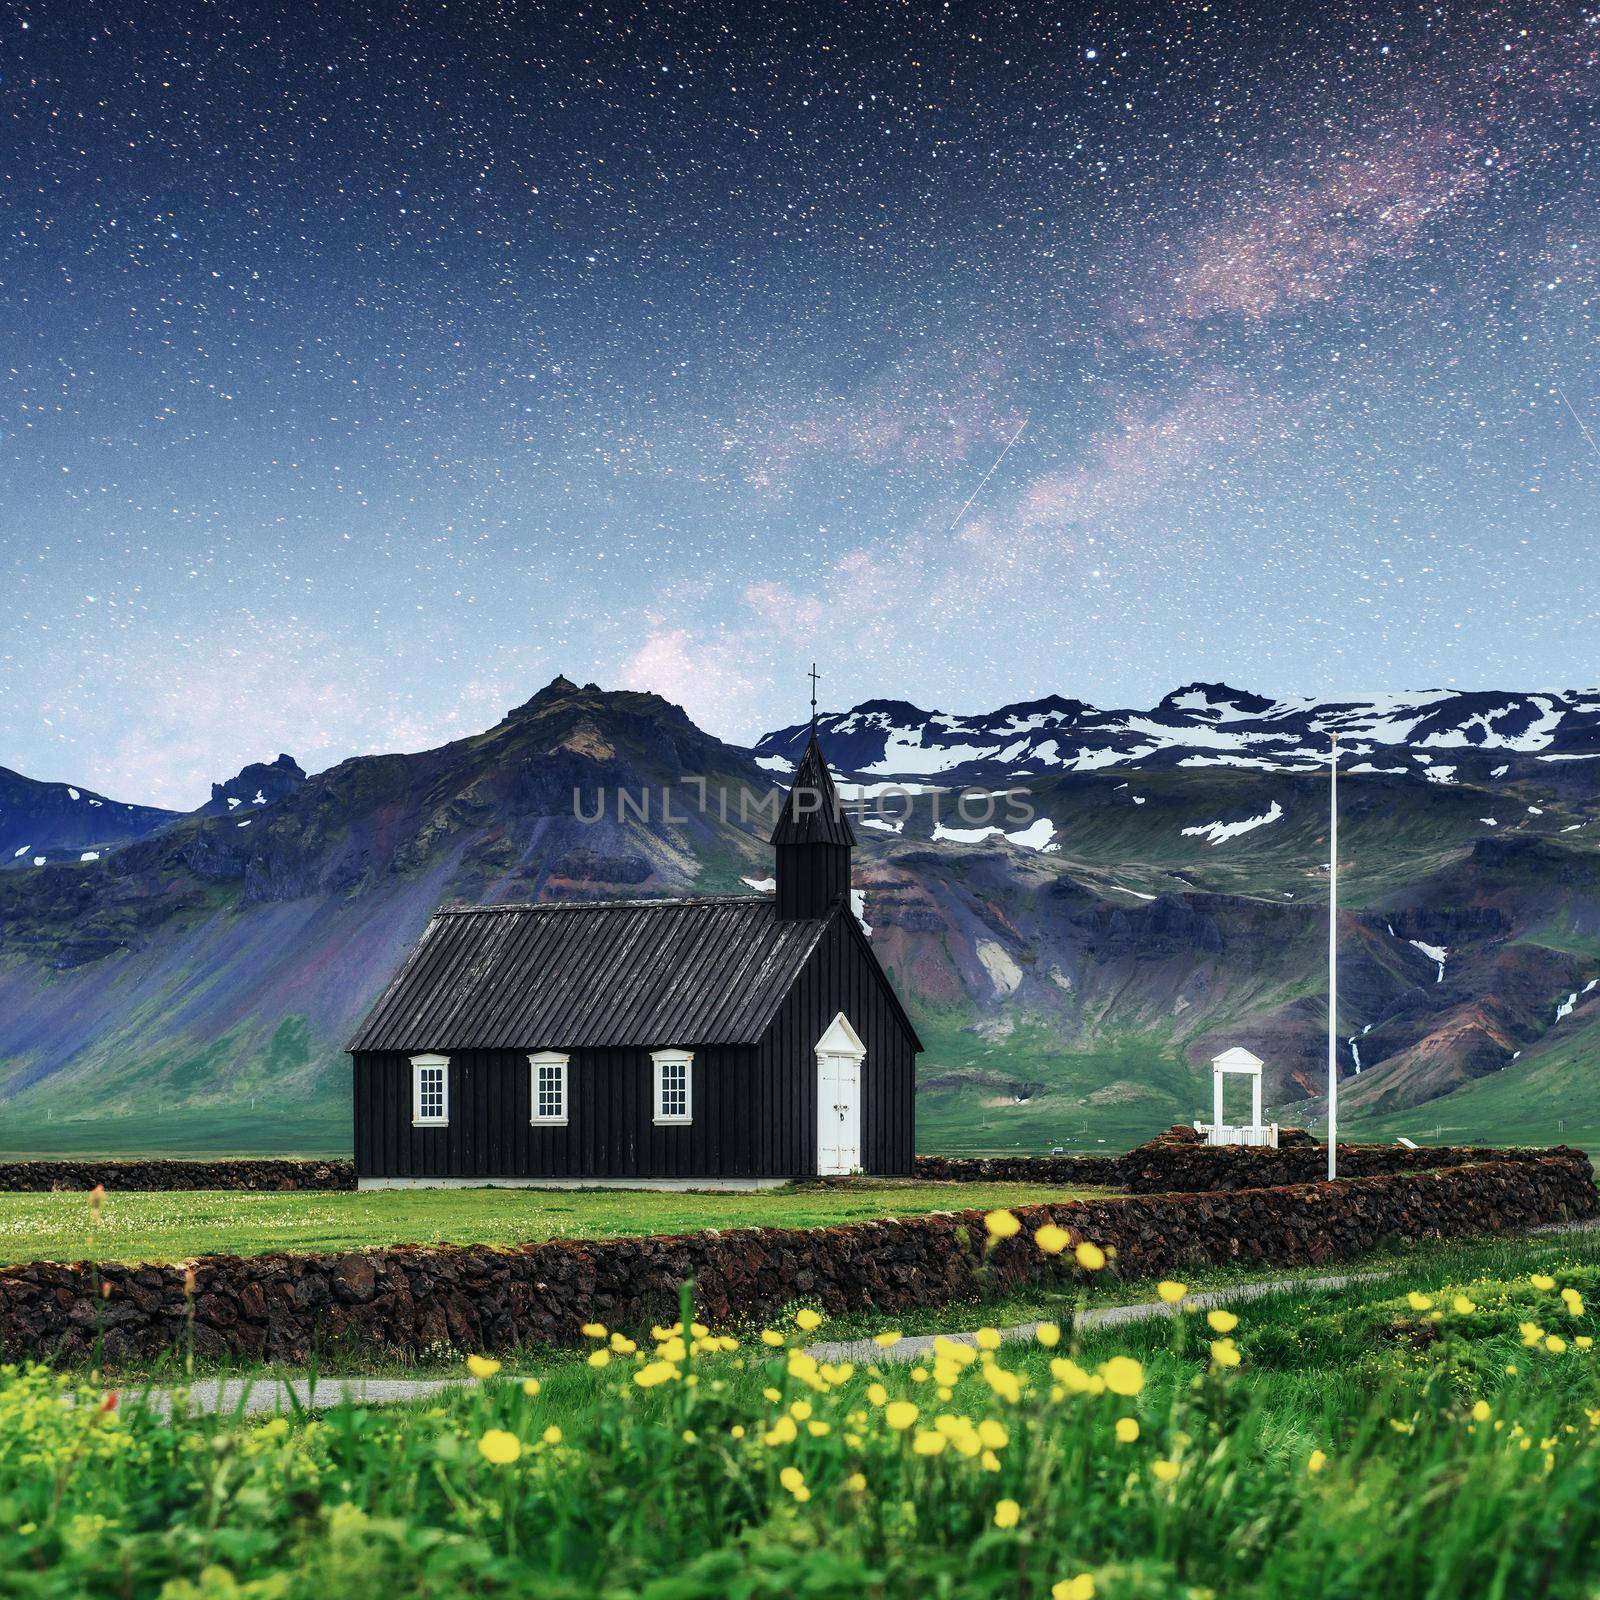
pixel 814 675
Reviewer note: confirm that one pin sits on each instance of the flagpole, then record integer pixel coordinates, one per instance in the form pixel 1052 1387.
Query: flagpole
pixel 1333 958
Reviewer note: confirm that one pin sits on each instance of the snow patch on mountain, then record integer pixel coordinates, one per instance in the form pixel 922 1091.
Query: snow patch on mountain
pixel 1004 973
pixel 1434 952
pixel 1036 836
pixel 1216 833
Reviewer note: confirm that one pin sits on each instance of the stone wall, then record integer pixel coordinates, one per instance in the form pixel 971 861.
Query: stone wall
pixel 38 1176
pixel 1179 1162
pixel 413 1299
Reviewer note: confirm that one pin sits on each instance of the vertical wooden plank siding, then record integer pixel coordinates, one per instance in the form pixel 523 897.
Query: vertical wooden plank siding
pixel 610 1130
pixel 841 977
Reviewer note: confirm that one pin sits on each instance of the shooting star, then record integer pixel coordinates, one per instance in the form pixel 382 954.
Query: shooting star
pixel 1583 427
pixel 987 476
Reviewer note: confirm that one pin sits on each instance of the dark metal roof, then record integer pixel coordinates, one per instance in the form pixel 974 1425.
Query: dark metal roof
pixel 614 973
pixel 812 813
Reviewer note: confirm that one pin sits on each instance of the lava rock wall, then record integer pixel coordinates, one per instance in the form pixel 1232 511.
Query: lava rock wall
pixel 414 1300
pixel 36 1177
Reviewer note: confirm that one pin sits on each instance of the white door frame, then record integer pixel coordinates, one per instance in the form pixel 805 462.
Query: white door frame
pixel 840 1054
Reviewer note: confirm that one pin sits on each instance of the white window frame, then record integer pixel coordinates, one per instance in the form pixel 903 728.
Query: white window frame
pixel 660 1059
pixel 538 1060
pixel 419 1065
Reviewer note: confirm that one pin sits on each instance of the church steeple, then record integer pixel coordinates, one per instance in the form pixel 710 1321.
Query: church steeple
pixel 813 840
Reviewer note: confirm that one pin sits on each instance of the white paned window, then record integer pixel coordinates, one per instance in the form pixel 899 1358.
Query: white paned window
pixel 548 1089
pixel 430 1091
pixel 674 1085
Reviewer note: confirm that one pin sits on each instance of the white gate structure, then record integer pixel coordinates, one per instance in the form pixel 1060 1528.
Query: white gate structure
pixel 840 1053
pixel 1219 1130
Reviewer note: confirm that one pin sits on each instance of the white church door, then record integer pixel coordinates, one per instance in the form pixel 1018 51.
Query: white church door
pixel 840 1053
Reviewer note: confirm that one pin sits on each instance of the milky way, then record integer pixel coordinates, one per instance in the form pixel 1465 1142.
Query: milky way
pixel 365 366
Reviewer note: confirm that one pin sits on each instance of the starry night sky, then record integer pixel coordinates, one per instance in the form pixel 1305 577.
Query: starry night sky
pixel 364 366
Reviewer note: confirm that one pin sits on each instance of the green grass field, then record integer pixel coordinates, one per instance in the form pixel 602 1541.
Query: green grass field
pixel 1436 1436
pixel 178 1224
pixel 320 1130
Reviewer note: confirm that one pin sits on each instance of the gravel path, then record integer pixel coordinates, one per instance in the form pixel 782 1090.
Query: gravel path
pixel 268 1395
pixel 919 1344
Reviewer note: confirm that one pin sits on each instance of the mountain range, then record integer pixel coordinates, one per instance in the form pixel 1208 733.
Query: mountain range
pixel 1081 906
pixel 1440 733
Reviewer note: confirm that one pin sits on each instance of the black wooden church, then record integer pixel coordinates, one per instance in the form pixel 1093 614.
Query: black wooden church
pixel 711 1042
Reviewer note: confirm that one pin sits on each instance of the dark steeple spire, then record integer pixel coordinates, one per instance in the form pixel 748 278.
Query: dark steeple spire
pixel 813 840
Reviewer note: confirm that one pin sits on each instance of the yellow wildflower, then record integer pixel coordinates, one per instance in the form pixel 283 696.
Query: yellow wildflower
pixel 1555 1344
pixel 928 1442
pixel 856 1482
pixel 1048 1334
pixel 1078 1588
pixel 1164 1470
pixel 654 1372
pixel 807 1320
pixel 791 1478
pixel 1420 1302
pixel 1222 1321
pixel 877 1394
pixel 1573 1301
pixel 783 1431
pixel 1090 1256
pixel 1480 1411
pixel 599 1358
pixel 1005 1384
pixel 1584 1341
pixel 1225 1353
pixel 1541 1281
pixel 1171 1292
pixel 1007 1514
pixel 736 1431
pixel 482 1366
pixel 530 1387
pixel 989 1461
pixel 499 1447
pixel 1002 1225
pixel 1072 1377
pixel 1462 1306
pixel 593 1330
pixel 963 1355
pixel 1316 1461
pixel 992 1434
pixel 1051 1239
pixel 1127 1429
pixel 1531 1333
pixel 1123 1375
pixel 900 1414
pixel 771 1336
pixel 552 1434
pixel 886 1341
pixel 988 1338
